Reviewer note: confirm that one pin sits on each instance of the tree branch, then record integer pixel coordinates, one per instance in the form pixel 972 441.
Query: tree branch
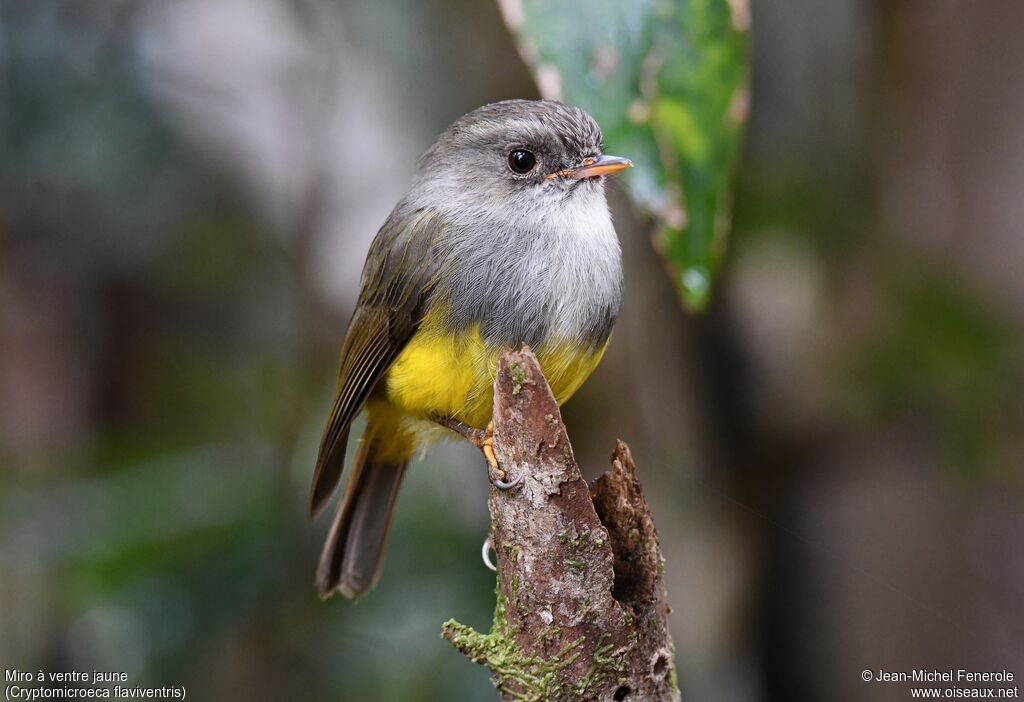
pixel 581 611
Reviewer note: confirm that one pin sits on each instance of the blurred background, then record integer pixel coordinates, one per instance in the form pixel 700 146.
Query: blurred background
pixel 833 450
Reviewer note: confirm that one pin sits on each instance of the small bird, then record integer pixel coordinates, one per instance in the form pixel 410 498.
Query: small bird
pixel 503 239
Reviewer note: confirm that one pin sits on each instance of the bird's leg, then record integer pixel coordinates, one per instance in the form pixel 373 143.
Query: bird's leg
pixel 483 439
pixel 471 434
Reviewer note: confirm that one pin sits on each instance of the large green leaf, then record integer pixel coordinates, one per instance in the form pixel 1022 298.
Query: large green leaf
pixel 667 82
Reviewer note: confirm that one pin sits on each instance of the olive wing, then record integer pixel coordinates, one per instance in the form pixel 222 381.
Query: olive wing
pixel 395 292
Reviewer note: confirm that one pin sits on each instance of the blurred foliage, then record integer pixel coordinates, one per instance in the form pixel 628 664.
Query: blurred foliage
pixel 667 82
pixel 167 357
pixel 942 354
pixel 164 534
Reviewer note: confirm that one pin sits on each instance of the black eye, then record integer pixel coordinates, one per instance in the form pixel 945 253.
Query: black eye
pixel 521 161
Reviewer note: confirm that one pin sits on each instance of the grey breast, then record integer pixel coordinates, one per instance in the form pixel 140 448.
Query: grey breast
pixel 525 284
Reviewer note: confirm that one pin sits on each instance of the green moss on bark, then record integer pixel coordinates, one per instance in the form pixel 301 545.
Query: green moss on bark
pixel 530 678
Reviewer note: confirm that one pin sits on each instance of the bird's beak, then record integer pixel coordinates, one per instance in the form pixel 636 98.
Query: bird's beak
pixel 594 167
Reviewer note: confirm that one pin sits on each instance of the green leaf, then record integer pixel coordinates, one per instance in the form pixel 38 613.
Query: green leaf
pixel 667 82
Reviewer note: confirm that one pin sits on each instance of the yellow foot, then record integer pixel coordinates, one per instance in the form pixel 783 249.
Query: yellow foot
pixel 483 440
pixel 495 473
pixel 487 446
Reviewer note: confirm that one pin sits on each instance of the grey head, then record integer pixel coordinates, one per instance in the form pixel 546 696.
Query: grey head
pixel 526 248
pixel 518 154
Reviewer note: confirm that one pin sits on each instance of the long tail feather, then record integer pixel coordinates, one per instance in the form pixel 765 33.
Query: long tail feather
pixel 354 551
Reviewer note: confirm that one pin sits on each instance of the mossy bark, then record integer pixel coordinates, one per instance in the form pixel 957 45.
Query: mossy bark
pixel 582 610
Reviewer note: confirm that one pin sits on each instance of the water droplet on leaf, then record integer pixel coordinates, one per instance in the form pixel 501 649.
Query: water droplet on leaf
pixel 696 281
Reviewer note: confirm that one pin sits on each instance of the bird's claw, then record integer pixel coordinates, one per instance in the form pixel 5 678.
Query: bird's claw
pixel 497 478
pixel 485 552
pixel 495 474
pixel 483 439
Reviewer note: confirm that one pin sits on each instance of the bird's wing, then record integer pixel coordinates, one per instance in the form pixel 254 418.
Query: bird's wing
pixel 395 291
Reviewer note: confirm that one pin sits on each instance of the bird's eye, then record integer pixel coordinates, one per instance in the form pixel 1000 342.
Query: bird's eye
pixel 521 161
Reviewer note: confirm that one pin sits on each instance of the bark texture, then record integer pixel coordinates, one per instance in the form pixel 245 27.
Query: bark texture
pixel 582 611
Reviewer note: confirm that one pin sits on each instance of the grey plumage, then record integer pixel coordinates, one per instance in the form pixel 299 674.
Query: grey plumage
pixel 528 254
pixel 516 259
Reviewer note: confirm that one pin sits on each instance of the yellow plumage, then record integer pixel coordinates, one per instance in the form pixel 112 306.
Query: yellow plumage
pixel 446 373
pixel 517 239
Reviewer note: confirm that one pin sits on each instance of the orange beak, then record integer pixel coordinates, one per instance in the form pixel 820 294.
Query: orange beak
pixel 594 167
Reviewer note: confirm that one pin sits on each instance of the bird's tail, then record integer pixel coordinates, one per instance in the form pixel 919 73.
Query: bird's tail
pixel 354 551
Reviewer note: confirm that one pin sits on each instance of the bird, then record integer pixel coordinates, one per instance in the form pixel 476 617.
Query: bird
pixel 504 239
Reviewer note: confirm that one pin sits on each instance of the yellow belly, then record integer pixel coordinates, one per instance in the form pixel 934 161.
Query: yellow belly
pixel 446 374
